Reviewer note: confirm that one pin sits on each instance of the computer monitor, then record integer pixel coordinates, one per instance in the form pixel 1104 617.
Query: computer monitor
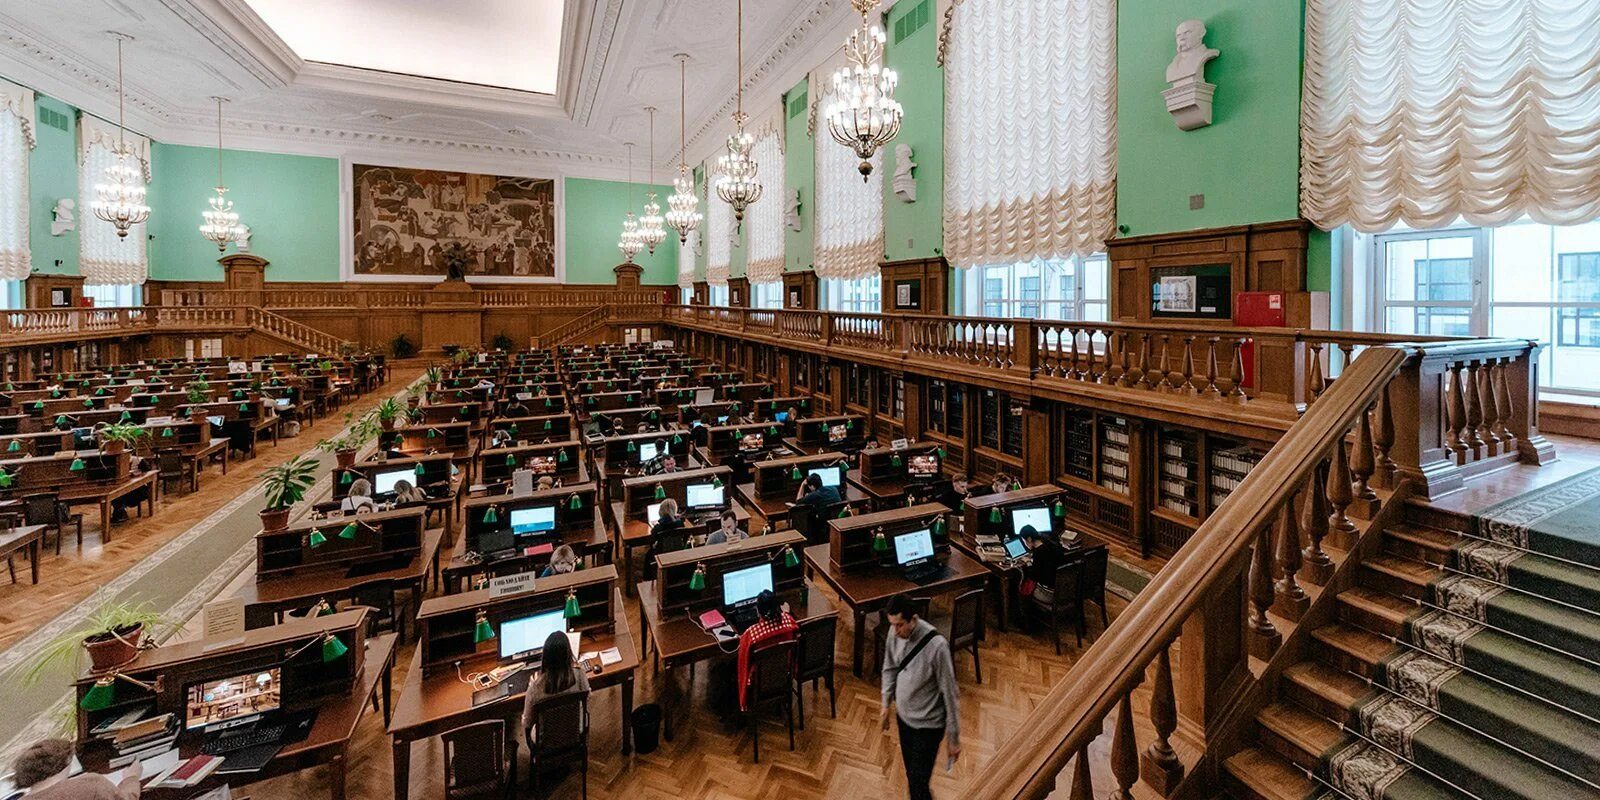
pixel 703 396
pixel 722 420
pixel 525 636
pixel 1016 548
pixel 652 514
pixel 780 416
pixel 1036 517
pixel 495 541
pixel 647 452
pixel 742 586
pixel 752 441
pixel 916 547
pixel 922 466
pixel 539 519
pixel 830 475
pixel 837 433
pixel 281 402
pixel 216 420
pixel 383 482
pixel 233 700
pixel 704 495
pixel 541 465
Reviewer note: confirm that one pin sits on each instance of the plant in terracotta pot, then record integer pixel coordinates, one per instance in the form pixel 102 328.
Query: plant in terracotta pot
pixel 198 393
pixel 118 436
pixel 344 446
pixel 388 413
pixel 285 485
pixel 111 635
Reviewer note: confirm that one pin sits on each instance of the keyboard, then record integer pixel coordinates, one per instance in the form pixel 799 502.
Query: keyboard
pixel 926 575
pixel 229 741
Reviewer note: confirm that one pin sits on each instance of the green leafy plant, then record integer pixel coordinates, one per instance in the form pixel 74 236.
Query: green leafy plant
pixel 199 391
pixel 461 356
pixel 64 651
pixel 125 432
pixel 503 342
pixel 287 483
pixel 402 347
pixel 389 410
pixel 358 432
pixel 432 377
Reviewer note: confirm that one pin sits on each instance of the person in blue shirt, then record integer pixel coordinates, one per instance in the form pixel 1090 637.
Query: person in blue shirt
pixel 813 493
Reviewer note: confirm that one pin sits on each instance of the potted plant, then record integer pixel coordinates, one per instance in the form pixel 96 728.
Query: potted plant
pixel 344 446
pixel 199 393
pixel 118 436
pixel 503 343
pixel 388 412
pixel 402 347
pixel 432 377
pixel 111 634
pixel 285 485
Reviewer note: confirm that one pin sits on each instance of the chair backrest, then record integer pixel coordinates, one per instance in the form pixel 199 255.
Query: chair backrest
pixel 817 647
pixel 169 462
pixel 966 618
pixel 1068 577
pixel 772 672
pixel 1092 584
pixel 41 508
pixel 474 760
pixel 561 723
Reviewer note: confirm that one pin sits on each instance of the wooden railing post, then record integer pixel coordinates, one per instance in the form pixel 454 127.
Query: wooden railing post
pixel 1159 764
pixel 1025 346
pixel 1522 393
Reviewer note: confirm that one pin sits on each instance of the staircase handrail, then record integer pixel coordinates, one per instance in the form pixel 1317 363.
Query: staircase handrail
pixel 576 326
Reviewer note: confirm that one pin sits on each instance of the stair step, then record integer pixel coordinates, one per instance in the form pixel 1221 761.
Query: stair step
pixel 1565 581
pixel 1296 733
pixel 1257 774
pixel 1419 543
pixel 1346 647
pixel 1562 627
pixel 1559 678
pixel 1397 575
pixel 1323 689
pixel 1542 729
pixel 1374 610
pixel 1487 768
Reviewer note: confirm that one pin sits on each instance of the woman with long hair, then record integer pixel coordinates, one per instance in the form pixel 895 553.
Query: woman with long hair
pixel 559 673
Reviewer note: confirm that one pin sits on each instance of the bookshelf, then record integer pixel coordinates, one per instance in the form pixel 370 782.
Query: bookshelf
pixel 1114 454
pixel 1231 461
pixel 1178 472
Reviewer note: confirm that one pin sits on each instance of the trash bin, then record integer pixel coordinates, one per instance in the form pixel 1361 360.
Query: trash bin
pixel 646 728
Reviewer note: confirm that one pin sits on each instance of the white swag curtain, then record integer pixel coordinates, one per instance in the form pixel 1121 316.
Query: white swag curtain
pixel 718 227
pixel 104 259
pixel 1423 111
pixel 848 218
pixel 1030 129
pixel 686 255
pixel 764 220
pixel 16 139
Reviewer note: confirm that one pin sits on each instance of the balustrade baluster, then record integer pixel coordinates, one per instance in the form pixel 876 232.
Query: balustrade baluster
pixel 1383 439
pixel 1159 764
pixel 1362 465
pixel 1165 384
pixel 1474 413
pixel 1486 406
pixel 1456 415
pixel 1144 381
pixel 1314 379
pixel 1292 600
pixel 1124 751
pixel 1236 373
pixel 1210 389
pixel 1105 368
pixel 1082 779
pixel 1340 495
pixel 1502 404
pixel 1314 521
pixel 1264 637
pixel 1188 386
pixel 1123 378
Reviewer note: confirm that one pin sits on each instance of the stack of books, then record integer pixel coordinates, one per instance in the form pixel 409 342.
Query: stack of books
pixel 184 774
pixel 137 737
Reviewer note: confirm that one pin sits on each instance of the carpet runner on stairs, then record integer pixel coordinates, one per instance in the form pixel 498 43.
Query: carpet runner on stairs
pixel 1560 520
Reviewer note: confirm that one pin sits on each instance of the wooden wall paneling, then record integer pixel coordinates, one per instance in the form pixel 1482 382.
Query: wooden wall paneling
pixel 1265 257
pixel 739 292
pixel 803 283
pixel 38 289
pixel 930 279
pixel 702 293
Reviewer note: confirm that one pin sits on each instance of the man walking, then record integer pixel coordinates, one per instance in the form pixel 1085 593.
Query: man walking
pixel 919 681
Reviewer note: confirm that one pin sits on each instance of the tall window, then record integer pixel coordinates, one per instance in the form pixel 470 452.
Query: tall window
pixel 121 295
pixel 848 228
pixel 104 257
pixel 686 295
pixel 16 139
pixel 718 234
pixel 717 295
pixel 766 295
pixel 764 220
pixel 1524 280
pixel 859 295
pixel 1069 288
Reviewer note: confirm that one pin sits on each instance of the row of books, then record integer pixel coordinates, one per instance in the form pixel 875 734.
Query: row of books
pixel 138 736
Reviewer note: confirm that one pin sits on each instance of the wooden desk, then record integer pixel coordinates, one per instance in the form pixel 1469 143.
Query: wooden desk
pixel 776 509
pixel 429 706
pixel 885 492
pixel 26 538
pixel 458 571
pixel 103 494
pixel 866 591
pixel 680 641
pixel 635 532
pixel 1008 578
pixel 264 601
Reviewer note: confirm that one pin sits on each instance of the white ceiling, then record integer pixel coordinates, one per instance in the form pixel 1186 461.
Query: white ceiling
pixel 614 58
pixel 512 44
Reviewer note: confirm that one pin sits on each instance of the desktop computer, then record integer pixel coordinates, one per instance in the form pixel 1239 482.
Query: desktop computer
pixel 1036 517
pixel 831 476
pixel 384 482
pixel 837 434
pixel 922 467
pixel 704 497
pixel 532 521
pixel 648 451
pixel 524 637
pixel 752 441
pixel 740 588
pixel 914 554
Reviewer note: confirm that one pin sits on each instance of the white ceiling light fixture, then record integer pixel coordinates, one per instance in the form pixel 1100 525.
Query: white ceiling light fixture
pixel 863 114
pixel 221 222
pixel 738 184
pixel 651 223
pixel 683 213
pixel 120 200
pixel 631 241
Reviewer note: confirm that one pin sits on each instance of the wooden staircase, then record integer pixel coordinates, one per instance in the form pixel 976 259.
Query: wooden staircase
pixel 291 332
pixel 574 331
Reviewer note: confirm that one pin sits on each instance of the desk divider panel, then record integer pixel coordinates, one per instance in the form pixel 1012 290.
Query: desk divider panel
pixel 745 393
pixel 781 477
pixel 980 515
pixel 426 470
pixel 814 430
pixel 435 413
pixel 454 437
pixel 575 508
pixel 767 407
pixel 851 539
pixel 624 450
pixel 54 472
pixel 640 492
pixel 706 413
pixel 593 402
pixel 675 571
pixel 560 457
pixel 340 542
pixel 886 463
pixel 629 418
pixel 541 426
pixel 722 440
pixel 447 626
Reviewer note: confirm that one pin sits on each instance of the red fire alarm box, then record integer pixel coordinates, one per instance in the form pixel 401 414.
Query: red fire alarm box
pixel 1256 310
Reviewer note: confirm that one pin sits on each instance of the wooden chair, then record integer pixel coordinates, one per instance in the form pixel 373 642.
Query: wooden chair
pixel 881 634
pixel 559 737
pixel 172 467
pixel 46 508
pixel 1092 585
pixel 1064 600
pixel 385 616
pixel 771 683
pixel 966 627
pixel 475 761
pixel 812 523
pixel 816 661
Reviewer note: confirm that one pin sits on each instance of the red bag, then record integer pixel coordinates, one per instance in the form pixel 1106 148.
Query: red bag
pixel 1026 587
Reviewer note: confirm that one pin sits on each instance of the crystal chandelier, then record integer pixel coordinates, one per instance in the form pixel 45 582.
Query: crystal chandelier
pixel 737 184
pixel 221 223
pixel 683 215
pixel 863 114
pixel 120 200
pixel 651 224
pixel 631 241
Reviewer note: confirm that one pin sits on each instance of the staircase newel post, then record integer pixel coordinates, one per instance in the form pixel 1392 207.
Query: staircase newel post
pixel 1124 751
pixel 1159 764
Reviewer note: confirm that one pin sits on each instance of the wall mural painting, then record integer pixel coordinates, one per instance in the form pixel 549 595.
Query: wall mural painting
pixel 406 221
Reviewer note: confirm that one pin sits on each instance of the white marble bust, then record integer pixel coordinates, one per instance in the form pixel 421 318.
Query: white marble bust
pixel 905 186
pixel 1190 61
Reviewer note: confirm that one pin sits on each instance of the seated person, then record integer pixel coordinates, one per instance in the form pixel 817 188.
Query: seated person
pixel 559 673
pixel 954 497
pixel 405 493
pixel 562 561
pixel 813 493
pixel 666 537
pixel 729 531
pixel 484 383
pixel 1047 556
pixel 699 435
pixel 545 482
pixel 669 464
pixel 359 499
pixel 42 772
pixel 501 438
pixel 774 624
pixel 1003 483
pixel 516 409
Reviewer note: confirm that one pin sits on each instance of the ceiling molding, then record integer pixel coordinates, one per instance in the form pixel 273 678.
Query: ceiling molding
pixel 600 45
pixel 235 29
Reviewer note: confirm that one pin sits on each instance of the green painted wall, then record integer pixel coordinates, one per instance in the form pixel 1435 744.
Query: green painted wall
pixel 594 211
pixel 703 192
pixel 916 230
pixel 291 204
pixel 799 172
pixel 1247 161
pixel 52 175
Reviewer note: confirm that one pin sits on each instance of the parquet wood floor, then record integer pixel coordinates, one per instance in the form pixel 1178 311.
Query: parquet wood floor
pixel 67 580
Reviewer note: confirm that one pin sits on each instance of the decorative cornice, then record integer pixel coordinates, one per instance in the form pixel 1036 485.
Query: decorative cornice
pixel 595 66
